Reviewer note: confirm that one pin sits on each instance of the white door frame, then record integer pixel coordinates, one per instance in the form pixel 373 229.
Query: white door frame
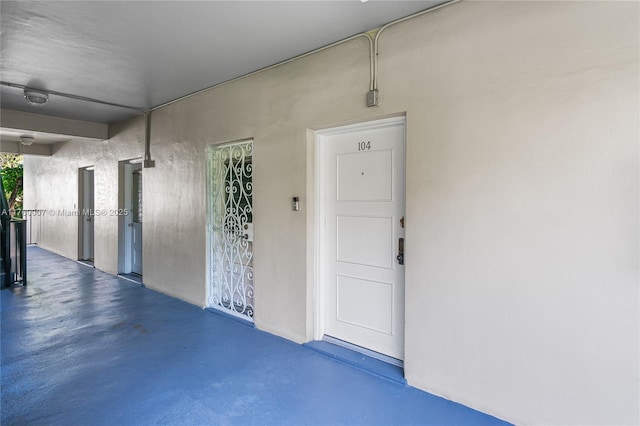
pixel 319 213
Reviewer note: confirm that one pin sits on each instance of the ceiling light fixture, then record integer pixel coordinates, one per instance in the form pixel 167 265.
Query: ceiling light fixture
pixel 26 140
pixel 36 97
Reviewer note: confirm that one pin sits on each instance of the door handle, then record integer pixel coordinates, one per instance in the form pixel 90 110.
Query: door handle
pixel 400 256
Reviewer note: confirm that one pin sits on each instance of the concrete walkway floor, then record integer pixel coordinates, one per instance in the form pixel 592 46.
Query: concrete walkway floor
pixel 82 347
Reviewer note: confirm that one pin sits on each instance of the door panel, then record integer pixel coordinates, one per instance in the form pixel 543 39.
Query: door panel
pixel 374 312
pixel 365 176
pixel 365 240
pixel 363 207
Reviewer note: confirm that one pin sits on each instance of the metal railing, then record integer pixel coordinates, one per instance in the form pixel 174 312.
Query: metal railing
pixel 18 251
pixel 13 246
pixel 5 219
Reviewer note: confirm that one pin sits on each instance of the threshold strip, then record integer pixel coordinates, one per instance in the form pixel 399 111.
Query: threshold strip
pixel 362 361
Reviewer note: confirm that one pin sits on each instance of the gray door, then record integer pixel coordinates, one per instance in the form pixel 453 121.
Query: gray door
pixel 86 253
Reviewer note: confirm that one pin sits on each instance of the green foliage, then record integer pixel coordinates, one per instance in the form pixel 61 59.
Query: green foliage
pixel 10 160
pixel 11 172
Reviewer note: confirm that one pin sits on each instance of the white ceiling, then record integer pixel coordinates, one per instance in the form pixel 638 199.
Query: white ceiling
pixel 145 53
pixel 12 135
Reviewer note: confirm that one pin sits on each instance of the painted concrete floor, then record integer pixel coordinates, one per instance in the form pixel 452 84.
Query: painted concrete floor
pixel 82 347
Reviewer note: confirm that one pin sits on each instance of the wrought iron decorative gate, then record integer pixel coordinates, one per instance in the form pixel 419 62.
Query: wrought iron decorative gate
pixel 231 228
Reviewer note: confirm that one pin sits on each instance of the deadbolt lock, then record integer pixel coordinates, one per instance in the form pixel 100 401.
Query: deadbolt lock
pixel 400 256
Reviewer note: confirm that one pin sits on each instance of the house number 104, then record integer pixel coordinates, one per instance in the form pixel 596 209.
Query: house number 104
pixel 364 146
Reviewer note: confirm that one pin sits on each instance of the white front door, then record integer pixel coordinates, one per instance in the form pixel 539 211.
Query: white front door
pixel 362 204
pixel 136 219
pixel 87 214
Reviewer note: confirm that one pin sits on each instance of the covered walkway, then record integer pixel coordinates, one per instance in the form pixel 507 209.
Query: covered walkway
pixel 81 347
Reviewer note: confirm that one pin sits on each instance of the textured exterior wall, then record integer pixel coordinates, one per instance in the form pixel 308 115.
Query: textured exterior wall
pixel 522 207
pixel 522 198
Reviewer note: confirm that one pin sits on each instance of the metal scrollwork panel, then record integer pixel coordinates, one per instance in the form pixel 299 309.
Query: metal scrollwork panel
pixel 231 227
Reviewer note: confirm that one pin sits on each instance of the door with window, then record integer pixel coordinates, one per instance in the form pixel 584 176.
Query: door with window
pixel 230 228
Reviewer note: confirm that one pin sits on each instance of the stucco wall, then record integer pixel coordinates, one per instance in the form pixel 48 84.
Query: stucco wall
pixel 522 208
pixel 522 198
pixel 51 187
